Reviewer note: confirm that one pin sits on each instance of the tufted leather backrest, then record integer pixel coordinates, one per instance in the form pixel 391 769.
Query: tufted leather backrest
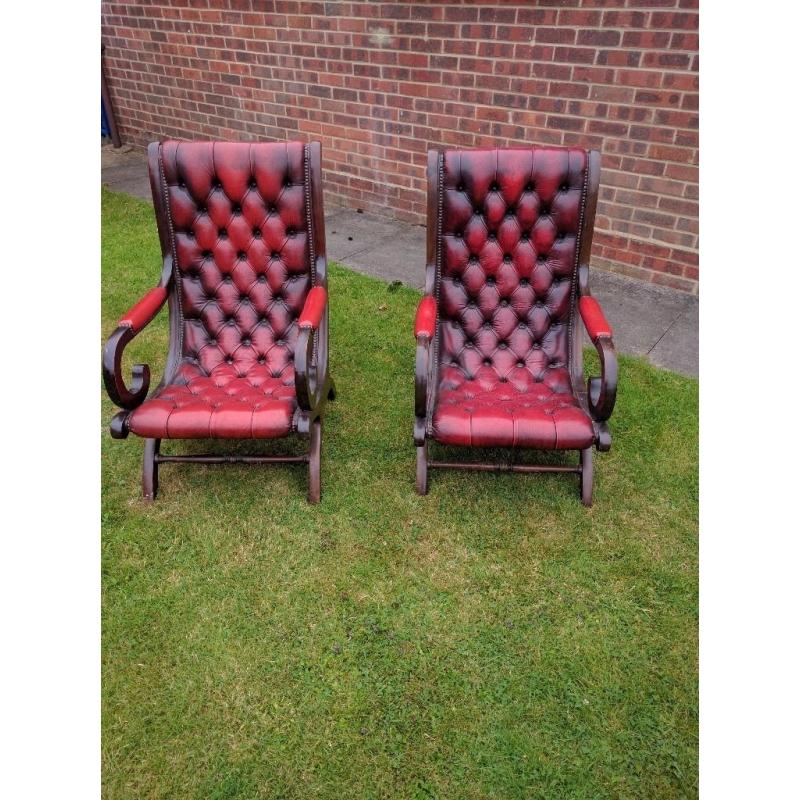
pixel 239 232
pixel 508 250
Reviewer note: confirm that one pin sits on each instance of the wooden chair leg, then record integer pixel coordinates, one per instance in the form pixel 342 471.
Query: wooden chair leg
pixel 314 458
pixel 332 391
pixel 150 469
pixel 587 476
pixel 422 469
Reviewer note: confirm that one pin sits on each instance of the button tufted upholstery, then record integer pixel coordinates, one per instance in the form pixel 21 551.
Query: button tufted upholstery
pixel 240 236
pixel 224 403
pixel 506 284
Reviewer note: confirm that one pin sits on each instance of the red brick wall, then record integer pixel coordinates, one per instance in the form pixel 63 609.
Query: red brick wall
pixel 379 83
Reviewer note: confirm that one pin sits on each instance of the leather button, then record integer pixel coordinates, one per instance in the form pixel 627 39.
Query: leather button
pixel 212 342
pixel 487 361
pixel 262 360
pixel 502 345
pixel 242 255
pixel 275 254
pixel 237 209
pixel 492 237
pixel 473 259
pixel 520 363
pixel 523 281
pixel 262 278
pixel 229 360
pixel 457 234
pixel 541 257
pixel 257 233
pixel 507 258
pixel 543 212
pixel 252 184
pixel 222 233
pixel 494 187
pixel 504 302
pixel 290 232
pixel 246 342
pixel 206 254
pixel 460 187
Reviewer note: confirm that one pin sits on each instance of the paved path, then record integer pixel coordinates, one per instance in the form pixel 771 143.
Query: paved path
pixel 653 321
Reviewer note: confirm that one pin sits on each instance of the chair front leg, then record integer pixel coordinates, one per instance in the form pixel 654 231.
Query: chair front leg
pixel 314 462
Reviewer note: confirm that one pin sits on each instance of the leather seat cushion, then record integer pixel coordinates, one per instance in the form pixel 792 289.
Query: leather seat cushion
pixel 228 402
pixel 514 411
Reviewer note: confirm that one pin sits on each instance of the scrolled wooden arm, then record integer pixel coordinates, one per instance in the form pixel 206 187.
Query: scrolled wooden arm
pixel 311 379
pixel 309 372
pixel 421 373
pixel 120 394
pixel 132 322
pixel 602 391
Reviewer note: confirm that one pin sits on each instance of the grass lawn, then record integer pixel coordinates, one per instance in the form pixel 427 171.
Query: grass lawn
pixel 495 639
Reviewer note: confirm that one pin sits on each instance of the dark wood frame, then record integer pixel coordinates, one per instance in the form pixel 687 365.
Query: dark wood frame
pixel 313 383
pixel 597 399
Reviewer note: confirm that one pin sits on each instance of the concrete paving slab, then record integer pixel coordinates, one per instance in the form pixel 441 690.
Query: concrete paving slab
pixel 347 232
pixel 639 313
pixel 677 349
pixel 400 257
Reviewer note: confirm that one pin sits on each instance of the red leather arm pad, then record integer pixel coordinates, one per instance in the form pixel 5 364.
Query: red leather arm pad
pixel 314 308
pixel 593 318
pixel 425 321
pixel 139 315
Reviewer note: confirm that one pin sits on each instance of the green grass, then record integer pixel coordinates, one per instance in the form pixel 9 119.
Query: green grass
pixel 495 639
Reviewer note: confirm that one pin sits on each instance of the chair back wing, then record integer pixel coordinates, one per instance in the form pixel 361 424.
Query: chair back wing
pixel 511 223
pixel 238 226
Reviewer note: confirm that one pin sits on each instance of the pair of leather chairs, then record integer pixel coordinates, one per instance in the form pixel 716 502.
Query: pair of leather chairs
pixel 499 356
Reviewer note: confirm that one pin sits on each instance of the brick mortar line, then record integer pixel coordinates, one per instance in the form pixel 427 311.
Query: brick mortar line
pixel 641 123
pixel 493 59
pixel 556 25
pixel 645 240
pixel 621 137
pixel 620 48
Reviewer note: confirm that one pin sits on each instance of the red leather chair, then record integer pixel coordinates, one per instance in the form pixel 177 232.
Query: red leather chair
pixel 499 356
pixel 245 278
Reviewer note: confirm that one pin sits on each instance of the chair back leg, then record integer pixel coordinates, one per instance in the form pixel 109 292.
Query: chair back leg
pixel 587 476
pixel 314 457
pixel 422 469
pixel 150 469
